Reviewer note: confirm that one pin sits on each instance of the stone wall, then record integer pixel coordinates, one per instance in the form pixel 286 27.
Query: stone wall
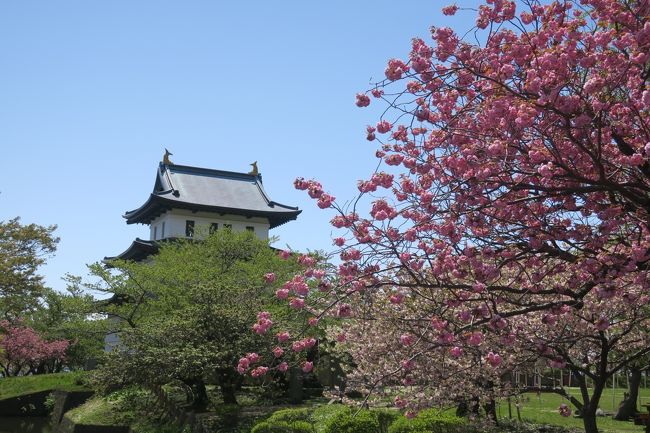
pixel 67 400
pixel 25 405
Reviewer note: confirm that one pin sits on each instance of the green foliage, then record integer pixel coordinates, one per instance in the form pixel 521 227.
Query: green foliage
pixel 364 421
pixel 186 315
pixel 386 418
pixel 54 315
pixel 50 401
pixel 430 421
pixel 14 386
pixel 322 415
pixel 283 427
pixel 96 411
pixel 65 315
pixel 23 248
pixel 291 415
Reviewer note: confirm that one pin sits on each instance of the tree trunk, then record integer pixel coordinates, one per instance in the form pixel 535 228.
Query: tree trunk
pixel 589 420
pixel 228 393
pixel 295 386
pixel 591 405
pixel 627 409
pixel 199 394
pixel 491 410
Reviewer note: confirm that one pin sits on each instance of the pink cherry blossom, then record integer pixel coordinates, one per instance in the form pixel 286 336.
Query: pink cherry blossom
pixel 475 339
pixel 269 277
pixel 259 371
pixel 362 100
pixel 494 359
pixel 450 10
pixel 297 303
pixel 406 339
pixel 456 351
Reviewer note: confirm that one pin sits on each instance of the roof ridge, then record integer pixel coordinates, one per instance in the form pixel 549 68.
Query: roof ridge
pixel 211 171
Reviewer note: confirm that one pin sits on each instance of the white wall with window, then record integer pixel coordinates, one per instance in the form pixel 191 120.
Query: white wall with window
pixel 174 223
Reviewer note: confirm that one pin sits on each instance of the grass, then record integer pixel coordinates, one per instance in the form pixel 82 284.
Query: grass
pixel 543 409
pixel 130 406
pixel 15 386
pixel 96 411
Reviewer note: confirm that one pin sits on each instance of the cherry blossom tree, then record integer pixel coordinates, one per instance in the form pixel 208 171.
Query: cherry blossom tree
pixel 510 210
pixel 23 351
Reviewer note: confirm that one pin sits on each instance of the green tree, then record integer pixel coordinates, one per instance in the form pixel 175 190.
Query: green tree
pixel 70 315
pixel 186 314
pixel 23 248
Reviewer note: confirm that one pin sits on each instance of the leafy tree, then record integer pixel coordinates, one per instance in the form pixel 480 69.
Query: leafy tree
pixel 71 316
pixel 186 315
pixel 23 248
pixel 511 208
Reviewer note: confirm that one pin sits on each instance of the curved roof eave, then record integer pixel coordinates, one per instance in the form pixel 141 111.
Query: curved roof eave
pixel 138 249
pixel 151 208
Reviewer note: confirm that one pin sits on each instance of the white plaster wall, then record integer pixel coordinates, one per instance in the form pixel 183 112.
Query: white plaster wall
pixel 175 223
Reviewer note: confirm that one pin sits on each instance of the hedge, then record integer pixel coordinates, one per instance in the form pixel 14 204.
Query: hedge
pixel 364 421
pixel 283 427
pixel 429 421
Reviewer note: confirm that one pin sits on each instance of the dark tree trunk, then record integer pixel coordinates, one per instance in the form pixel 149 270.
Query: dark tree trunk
pixel 491 410
pixel 590 407
pixel 295 386
pixel 229 383
pixel 627 409
pixel 228 393
pixel 589 420
pixel 462 409
pixel 199 394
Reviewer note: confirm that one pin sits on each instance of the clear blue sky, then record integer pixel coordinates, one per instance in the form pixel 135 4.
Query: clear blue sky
pixel 92 91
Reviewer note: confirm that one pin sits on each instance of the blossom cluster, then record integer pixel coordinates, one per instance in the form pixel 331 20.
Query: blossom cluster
pixel 21 347
pixel 514 221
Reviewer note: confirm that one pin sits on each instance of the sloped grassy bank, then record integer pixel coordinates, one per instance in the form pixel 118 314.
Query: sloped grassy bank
pixel 21 385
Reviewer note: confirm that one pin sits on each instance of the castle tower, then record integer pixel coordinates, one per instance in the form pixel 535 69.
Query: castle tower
pixel 189 202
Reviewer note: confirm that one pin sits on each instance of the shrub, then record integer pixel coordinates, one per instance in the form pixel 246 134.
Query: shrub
pixel 386 418
pixel 429 421
pixel 290 415
pixel 283 427
pixel 364 421
pixel 323 414
pixel 50 401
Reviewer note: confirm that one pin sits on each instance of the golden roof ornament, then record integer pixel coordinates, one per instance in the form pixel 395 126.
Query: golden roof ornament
pixel 255 171
pixel 166 159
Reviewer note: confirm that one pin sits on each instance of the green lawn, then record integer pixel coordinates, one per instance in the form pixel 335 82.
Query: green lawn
pixel 96 411
pixel 14 386
pixel 126 407
pixel 543 409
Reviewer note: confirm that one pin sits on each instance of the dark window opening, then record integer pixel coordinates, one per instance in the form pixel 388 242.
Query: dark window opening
pixel 162 235
pixel 214 227
pixel 189 228
pixel 155 232
pixel 250 229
